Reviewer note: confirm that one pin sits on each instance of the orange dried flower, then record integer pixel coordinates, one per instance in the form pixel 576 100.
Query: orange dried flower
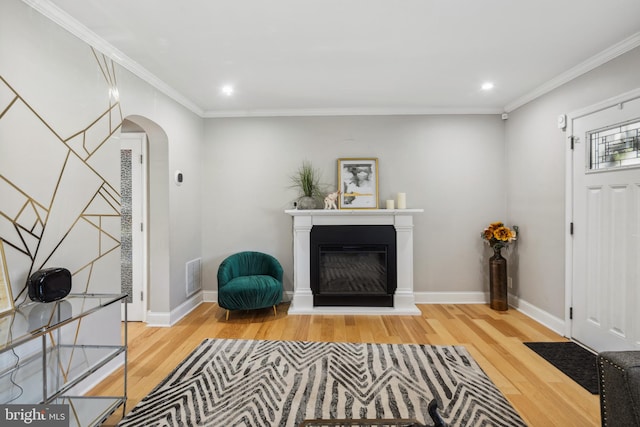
pixel 499 236
pixel 502 233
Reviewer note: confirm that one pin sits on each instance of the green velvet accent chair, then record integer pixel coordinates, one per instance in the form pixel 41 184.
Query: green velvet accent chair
pixel 249 280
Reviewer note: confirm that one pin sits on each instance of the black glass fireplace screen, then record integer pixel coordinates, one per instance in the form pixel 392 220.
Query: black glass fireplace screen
pixel 353 269
pixel 353 265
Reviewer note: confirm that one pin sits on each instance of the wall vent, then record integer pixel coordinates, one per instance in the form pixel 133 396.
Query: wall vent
pixel 194 278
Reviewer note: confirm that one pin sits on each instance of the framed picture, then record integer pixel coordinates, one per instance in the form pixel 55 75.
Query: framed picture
pixel 6 321
pixel 358 183
pixel 6 298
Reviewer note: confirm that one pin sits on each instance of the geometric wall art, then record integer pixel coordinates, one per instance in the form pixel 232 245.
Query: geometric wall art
pixel 60 204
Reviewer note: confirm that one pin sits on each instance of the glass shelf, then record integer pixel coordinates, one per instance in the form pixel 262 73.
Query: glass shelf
pixel 23 383
pixel 35 319
pixel 40 367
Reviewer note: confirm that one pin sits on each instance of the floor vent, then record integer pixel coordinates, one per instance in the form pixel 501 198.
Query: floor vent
pixel 194 278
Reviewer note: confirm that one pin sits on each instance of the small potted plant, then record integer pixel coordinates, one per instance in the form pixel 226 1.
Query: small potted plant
pixel 307 180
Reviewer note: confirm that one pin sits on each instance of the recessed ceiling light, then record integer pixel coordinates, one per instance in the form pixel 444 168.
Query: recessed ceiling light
pixel 487 86
pixel 227 90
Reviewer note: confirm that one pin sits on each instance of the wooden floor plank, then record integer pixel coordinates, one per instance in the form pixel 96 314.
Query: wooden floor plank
pixel 539 392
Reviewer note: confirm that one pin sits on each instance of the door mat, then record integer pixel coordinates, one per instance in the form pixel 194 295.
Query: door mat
pixel 573 360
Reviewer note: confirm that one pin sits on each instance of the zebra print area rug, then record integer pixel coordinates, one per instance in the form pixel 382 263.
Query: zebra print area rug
pixel 281 383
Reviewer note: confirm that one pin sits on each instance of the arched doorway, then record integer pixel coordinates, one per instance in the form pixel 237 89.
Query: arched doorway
pixel 155 219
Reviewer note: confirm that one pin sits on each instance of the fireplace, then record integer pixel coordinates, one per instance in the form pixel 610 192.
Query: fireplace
pixel 353 265
pixel 396 224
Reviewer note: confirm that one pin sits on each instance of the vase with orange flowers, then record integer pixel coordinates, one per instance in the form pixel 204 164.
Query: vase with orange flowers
pixel 498 236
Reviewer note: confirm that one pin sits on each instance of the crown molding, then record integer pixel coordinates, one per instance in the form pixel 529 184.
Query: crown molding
pixel 306 112
pixel 584 67
pixel 66 21
pixel 63 19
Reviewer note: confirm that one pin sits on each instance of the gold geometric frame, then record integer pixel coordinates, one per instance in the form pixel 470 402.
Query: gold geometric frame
pixel 6 297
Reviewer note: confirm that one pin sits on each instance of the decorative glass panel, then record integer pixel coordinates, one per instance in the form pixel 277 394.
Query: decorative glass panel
pixel 126 255
pixel 615 146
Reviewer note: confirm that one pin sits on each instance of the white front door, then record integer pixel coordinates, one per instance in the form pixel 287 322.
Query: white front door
pixel 606 225
pixel 132 213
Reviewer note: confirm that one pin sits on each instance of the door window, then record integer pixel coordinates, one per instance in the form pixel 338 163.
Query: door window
pixel 614 146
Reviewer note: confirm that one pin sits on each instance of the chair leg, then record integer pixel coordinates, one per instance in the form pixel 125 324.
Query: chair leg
pixel 227 314
pixel 275 312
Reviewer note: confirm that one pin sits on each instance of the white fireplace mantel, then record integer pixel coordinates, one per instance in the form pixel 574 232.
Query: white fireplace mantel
pixel 303 222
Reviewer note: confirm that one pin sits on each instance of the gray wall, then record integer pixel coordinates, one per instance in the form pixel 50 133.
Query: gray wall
pixel 175 143
pixel 465 171
pixel 451 166
pixel 535 177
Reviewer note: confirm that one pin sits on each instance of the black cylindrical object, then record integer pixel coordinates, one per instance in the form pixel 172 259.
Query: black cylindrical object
pixel 498 282
pixel 49 284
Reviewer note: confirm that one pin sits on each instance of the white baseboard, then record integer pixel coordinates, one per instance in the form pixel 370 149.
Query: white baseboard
pixel 163 319
pixel 158 319
pixel 210 296
pixel 552 322
pixel 451 297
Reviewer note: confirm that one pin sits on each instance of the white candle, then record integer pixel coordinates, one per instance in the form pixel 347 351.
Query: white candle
pixel 402 200
pixel 389 204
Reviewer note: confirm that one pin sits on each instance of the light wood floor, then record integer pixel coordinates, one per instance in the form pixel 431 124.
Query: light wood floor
pixel 540 393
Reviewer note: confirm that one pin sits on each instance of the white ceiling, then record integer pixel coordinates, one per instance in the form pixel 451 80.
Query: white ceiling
pixel 289 57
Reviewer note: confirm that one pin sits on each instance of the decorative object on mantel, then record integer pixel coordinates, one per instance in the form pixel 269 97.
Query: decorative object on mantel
pixel 498 236
pixel 390 204
pixel 6 297
pixel 307 180
pixel 358 181
pixel 402 200
pixel 330 200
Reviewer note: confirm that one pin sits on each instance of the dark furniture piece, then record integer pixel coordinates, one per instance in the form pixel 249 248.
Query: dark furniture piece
pixel 619 373
pixel 432 408
pixel 249 280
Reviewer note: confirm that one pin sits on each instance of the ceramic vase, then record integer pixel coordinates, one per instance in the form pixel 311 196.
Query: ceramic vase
pixel 307 202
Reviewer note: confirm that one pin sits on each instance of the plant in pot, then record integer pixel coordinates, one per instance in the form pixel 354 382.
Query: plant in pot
pixel 307 180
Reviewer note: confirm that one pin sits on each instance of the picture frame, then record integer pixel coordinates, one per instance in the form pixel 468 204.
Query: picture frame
pixel 6 297
pixel 6 321
pixel 358 183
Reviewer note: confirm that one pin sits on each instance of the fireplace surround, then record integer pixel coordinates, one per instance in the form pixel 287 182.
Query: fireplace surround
pixel 397 221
